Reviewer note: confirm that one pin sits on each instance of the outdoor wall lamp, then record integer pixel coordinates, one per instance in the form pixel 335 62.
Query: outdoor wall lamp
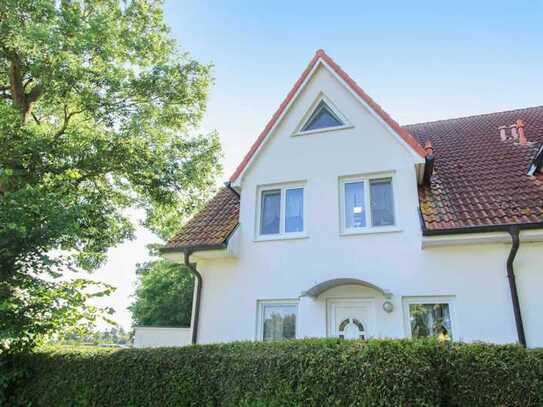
pixel 388 306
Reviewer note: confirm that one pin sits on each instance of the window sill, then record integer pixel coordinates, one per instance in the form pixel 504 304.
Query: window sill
pixel 371 231
pixel 327 129
pixel 292 236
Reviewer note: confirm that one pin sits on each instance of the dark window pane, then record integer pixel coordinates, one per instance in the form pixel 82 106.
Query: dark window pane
pixel 355 214
pixel 270 212
pixel 382 205
pixel 430 320
pixel 279 322
pixel 294 216
pixel 322 118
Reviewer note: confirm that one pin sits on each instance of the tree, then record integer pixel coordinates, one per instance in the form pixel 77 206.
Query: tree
pixel 163 296
pixel 98 113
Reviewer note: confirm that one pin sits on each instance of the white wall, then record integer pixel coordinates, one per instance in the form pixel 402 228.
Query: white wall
pixel 475 275
pixel 152 337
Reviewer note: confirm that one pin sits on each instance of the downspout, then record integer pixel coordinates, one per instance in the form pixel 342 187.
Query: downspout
pixel 198 278
pixel 514 232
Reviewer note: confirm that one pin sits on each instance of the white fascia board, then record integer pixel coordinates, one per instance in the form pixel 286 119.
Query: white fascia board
pixel 238 181
pixel 418 159
pixel 526 236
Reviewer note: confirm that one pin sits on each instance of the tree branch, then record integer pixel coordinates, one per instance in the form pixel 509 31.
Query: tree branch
pixel 28 82
pixel 35 118
pixel 67 117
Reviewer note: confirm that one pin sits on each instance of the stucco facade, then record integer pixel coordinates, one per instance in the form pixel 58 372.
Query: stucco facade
pixel 469 274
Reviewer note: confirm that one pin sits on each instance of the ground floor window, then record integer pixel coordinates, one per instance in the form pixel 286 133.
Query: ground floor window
pixel 429 317
pixel 277 319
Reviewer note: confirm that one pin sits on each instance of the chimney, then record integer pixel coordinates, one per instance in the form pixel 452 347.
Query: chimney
pixel 514 134
pixel 428 147
pixel 521 133
pixel 503 132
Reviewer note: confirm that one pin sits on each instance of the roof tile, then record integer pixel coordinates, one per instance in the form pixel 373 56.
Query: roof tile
pixel 478 180
pixel 212 225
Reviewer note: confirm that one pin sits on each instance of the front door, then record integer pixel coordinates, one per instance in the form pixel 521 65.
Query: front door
pixel 350 318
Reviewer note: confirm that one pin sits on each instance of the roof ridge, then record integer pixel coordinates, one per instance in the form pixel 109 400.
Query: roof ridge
pixel 321 56
pixel 473 116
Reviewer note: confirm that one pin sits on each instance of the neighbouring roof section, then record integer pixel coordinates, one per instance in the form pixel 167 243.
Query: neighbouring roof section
pixel 480 179
pixel 320 55
pixel 211 227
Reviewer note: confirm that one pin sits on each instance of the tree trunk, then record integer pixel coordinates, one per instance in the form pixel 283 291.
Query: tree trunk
pixel 23 101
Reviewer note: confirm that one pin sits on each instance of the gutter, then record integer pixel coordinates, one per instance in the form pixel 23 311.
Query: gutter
pixel 514 232
pixel 231 188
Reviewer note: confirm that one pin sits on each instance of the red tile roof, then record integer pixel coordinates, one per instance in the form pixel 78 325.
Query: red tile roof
pixel 321 55
pixel 211 227
pixel 480 180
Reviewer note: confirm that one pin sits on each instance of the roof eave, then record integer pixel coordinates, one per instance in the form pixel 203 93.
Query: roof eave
pixel 481 229
pixel 193 248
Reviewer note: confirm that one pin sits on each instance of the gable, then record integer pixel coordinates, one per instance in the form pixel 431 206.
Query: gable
pixel 323 60
pixel 503 196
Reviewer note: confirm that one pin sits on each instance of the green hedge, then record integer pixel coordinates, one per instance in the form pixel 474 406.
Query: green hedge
pixel 318 372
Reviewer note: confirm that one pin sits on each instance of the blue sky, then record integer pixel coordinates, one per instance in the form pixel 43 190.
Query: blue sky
pixel 419 60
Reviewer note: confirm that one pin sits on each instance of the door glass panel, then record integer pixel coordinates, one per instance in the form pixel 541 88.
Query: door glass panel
pixel 351 328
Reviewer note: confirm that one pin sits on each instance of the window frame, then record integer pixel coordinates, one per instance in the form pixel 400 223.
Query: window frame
pixel 450 300
pixel 313 108
pixel 366 179
pixel 283 188
pixel 260 308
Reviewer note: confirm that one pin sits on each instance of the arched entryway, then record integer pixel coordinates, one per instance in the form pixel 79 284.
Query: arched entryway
pixel 318 289
pixel 351 307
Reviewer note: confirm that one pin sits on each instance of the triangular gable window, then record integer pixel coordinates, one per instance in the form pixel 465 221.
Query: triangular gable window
pixel 322 118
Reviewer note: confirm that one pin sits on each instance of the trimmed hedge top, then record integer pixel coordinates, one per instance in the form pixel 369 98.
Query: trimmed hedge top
pixel 315 372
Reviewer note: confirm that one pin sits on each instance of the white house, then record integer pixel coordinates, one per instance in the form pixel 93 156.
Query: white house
pixel 340 222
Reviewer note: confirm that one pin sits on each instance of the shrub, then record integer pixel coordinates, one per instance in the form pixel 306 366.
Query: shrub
pixel 314 372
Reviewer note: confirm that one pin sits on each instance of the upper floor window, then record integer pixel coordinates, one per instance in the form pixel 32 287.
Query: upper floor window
pixel 281 211
pixel 367 202
pixel 322 118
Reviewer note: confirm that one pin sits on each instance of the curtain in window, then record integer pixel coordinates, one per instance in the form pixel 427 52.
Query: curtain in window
pixel 355 215
pixel 294 217
pixel 279 322
pixel 270 212
pixel 430 320
pixel 382 209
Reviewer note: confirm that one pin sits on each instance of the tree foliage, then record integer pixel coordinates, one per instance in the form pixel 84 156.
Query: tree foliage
pixel 98 112
pixel 163 296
